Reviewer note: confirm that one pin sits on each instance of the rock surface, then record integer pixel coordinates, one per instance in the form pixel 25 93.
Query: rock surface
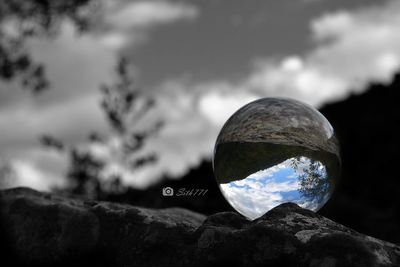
pixel 50 230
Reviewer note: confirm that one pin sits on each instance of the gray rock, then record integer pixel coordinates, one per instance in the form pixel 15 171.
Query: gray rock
pixel 46 229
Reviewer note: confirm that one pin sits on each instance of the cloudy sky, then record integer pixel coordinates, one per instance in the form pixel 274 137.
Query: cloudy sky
pixel 200 60
pixel 266 189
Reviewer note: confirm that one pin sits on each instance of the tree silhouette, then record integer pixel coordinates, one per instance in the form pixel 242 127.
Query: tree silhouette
pixel 7 174
pixel 313 178
pixel 84 174
pixel 122 104
pixel 21 20
pixel 124 107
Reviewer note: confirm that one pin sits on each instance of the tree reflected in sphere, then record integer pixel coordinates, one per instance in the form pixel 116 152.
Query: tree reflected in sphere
pixel 276 150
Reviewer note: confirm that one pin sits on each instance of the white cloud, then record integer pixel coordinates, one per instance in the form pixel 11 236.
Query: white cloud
pixel 352 49
pixel 117 40
pixel 252 202
pixel 270 171
pixel 129 22
pixel 292 64
pixel 357 47
pixel 27 173
pixel 140 14
pixel 217 105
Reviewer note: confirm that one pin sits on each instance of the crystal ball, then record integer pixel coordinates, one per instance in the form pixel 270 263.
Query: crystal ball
pixel 276 150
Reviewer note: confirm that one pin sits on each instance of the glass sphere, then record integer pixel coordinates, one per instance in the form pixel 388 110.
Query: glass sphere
pixel 276 150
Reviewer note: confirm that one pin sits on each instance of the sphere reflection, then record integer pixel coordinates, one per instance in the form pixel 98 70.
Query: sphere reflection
pixel 273 151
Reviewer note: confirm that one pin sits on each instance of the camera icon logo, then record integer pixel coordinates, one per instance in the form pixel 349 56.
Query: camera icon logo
pixel 167 191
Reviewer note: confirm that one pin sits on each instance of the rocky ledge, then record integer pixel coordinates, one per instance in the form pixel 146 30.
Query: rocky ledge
pixel 49 230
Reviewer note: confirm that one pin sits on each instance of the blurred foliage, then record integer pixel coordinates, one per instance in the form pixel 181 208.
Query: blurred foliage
pixel 84 172
pixel 24 19
pixel 312 177
pixel 7 175
pixel 124 107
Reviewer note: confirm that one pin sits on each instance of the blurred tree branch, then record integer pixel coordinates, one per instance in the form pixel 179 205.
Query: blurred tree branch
pixel 7 174
pixel 312 177
pixel 24 19
pixel 124 107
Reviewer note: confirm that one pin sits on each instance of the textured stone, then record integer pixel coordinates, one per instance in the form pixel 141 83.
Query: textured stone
pixel 45 229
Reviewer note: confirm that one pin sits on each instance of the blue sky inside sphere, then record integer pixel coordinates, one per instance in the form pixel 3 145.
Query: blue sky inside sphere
pixel 266 189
